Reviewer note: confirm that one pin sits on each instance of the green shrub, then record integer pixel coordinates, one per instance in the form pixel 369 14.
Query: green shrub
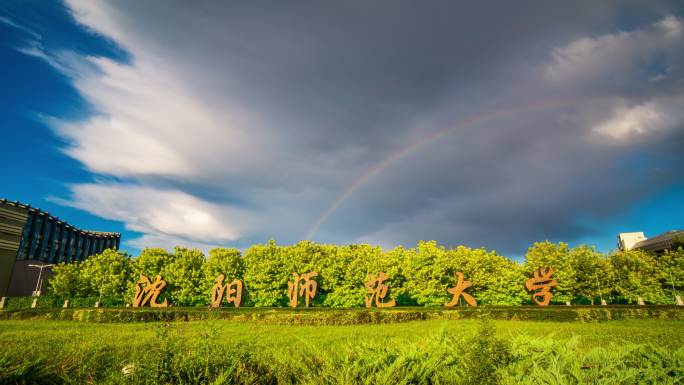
pixel 484 354
pixel 318 316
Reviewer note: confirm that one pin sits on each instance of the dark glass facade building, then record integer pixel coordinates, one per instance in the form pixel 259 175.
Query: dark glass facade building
pixel 31 236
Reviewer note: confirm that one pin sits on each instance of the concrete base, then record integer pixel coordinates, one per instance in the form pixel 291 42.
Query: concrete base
pixel 66 303
pixel 640 301
pixel 34 304
pixel 604 303
pixel 678 301
pixel 2 302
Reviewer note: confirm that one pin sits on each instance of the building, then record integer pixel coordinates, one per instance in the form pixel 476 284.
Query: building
pixel 29 236
pixel 657 244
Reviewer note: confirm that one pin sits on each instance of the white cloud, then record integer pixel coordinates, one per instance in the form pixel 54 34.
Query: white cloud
pixel 161 214
pixel 614 58
pixel 628 123
pixel 147 124
pixel 13 24
pixel 672 26
pixel 35 49
pixel 167 241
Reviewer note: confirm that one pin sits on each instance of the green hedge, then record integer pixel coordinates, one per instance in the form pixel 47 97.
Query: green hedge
pixel 51 301
pixel 319 316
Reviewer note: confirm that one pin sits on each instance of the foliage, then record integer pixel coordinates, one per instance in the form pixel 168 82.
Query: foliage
pixel 637 275
pixel 678 243
pixel 265 276
pixel 496 279
pixel 417 276
pixel 185 277
pixel 107 273
pixel 671 272
pixel 224 261
pixel 152 261
pixel 344 273
pixel 66 280
pixel 591 272
pixel 485 353
pixel 557 256
pixel 429 270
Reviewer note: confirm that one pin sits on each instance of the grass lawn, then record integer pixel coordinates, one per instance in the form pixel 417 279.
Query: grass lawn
pixel 436 351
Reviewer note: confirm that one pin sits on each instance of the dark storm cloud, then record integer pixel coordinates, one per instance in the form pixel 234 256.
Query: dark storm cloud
pixel 265 112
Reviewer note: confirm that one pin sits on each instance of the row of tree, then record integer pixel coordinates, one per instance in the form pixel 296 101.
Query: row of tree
pixel 419 276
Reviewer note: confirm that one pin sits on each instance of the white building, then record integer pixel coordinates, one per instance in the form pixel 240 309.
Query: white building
pixel 657 244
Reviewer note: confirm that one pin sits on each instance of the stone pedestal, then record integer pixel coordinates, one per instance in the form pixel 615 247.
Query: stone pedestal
pixel 2 302
pixel 678 301
pixel 66 303
pixel 34 304
pixel 640 301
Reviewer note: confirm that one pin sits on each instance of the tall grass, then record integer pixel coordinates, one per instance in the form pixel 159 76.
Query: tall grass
pixel 426 352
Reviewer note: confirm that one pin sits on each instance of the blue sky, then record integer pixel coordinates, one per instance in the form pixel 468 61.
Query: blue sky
pixel 226 125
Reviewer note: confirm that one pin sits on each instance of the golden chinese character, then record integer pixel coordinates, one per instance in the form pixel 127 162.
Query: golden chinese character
pixel 378 291
pixel 146 292
pixel 306 289
pixel 232 291
pixel 541 280
pixel 457 291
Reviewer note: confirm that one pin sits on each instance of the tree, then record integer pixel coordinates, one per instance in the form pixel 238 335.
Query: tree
pixel 393 263
pixel 152 261
pixel 556 256
pixel 66 280
pixel 265 275
pixel 108 274
pixel 636 275
pixel 588 268
pixel 429 270
pixel 184 277
pixel 225 261
pixel 344 272
pixel 496 280
pixel 269 267
pixel 671 273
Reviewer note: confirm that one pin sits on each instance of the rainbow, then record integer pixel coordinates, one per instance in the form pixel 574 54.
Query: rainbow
pixel 411 147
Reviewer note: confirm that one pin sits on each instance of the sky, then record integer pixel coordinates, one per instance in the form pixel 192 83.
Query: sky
pixel 484 124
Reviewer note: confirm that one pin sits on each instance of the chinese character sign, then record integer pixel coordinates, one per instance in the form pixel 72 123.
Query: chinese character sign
pixel 304 286
pixel 146 292
pixel 458 291
pixel 543 282
pixel 376 291
pixel 232 291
